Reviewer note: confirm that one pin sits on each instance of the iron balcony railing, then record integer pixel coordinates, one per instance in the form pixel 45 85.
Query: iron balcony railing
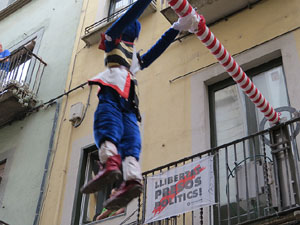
pixel 23 69
pixel 256 178
pixel 110 18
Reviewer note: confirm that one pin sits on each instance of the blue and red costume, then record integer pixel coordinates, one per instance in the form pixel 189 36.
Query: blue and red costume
pixel 116 130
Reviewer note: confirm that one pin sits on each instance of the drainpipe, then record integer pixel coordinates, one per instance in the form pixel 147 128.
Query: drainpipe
pixel 39 204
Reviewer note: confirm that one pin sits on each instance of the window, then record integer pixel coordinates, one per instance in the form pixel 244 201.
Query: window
pixel 117 5
pixel 233 115
pixel 89 206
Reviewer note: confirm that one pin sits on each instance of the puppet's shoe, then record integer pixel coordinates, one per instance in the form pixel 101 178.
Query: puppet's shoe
pixel 128 191
pixel 109 175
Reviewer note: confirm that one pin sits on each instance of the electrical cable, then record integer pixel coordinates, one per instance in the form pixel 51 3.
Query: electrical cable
pixel 51 101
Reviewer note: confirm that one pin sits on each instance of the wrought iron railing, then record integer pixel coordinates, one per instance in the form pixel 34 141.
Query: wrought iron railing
pixel 23 69
pixel 111 17
pixel 256 177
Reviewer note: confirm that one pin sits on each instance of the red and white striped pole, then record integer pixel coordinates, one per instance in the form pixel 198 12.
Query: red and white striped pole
pixel 183 8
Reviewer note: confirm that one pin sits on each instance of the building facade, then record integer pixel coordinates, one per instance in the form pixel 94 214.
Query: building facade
pixel 190 108
pixel 40 36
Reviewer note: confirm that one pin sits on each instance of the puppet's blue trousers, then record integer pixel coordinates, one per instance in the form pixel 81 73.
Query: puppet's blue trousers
pixel 115 121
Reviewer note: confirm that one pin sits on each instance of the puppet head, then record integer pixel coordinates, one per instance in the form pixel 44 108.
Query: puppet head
pixel 132 31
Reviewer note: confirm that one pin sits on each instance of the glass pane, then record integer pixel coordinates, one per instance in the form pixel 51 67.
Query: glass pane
pixel 230 125
pixel 272 85
pixel 121 4
pixel 3 4
pixel 117 5
pixel 230 115
pixel 11 2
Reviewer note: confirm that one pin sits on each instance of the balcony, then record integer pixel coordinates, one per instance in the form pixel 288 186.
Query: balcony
pixel 256 181
pixel 20 76
pixel 212 10
pixel 92 33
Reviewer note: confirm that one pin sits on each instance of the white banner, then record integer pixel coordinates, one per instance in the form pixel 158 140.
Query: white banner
pixel 179 190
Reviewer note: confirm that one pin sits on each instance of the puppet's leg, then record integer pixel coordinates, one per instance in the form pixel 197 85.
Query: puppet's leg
pixel 110 173
pixel 130 148
pixel 108 129
pixel 131 187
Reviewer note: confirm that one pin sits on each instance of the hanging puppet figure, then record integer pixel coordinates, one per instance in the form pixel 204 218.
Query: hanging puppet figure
pixel 116 130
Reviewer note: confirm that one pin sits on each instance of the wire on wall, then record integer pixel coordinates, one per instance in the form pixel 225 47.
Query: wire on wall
pixel 52 101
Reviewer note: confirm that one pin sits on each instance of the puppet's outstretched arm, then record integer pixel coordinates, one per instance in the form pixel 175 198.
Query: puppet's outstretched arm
pixel 132 14
pixel 182 24
pixel 158 48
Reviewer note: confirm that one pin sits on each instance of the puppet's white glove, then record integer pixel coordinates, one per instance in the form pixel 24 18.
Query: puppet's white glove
pixel 188 23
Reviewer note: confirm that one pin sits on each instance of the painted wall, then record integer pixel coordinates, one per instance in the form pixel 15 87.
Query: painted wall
pixel 27 142
pixel 175 115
